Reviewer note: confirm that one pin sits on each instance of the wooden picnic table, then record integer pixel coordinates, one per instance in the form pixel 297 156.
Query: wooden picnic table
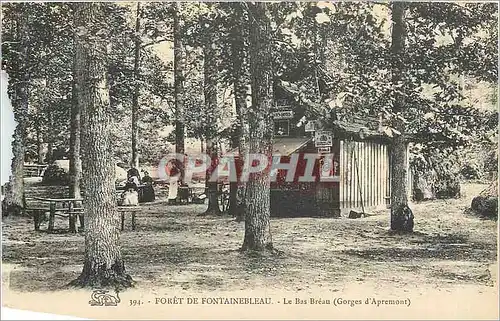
pixel 72 211
pixel 122 188
pixel 132 209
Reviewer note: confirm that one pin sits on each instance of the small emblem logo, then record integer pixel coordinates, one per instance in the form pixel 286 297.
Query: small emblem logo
pixel 103 298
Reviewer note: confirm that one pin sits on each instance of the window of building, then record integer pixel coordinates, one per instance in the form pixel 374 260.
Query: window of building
pixel 281 127
pixel 282 102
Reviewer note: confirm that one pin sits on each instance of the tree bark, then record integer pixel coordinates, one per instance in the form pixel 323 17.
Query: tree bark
pixel 241 85
pixel 401 215
pixel 210 95
pixel 50 135
pixel 39 141
pixel 103 263
pixel 135 96
pixel 75 162
pixel 257 204
pixel 13 203
pixel 178 81
pixel 211 187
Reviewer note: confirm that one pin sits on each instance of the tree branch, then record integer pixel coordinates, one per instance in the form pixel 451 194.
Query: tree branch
pixel 155 42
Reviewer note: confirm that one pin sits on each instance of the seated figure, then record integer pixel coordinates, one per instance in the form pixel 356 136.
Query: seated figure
pixel 130 197
pixel 134 176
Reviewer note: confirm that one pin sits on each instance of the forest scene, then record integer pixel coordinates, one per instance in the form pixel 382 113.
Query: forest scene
pixel 308 149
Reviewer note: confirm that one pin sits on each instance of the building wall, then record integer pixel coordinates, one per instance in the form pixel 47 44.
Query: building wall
pixel 364 175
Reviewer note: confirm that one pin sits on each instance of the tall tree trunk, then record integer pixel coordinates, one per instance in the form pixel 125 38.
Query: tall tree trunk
pixel 103 264
pixel 257 204
pixel 210 95
pixel 211 187
pixel 233 186
pixel 51 128
pixel 178 81
pixel 241 85
pixel 135 97
pixel 75 162
pixel 49 157
pixel 13 203
pixel 401 215
pixel 39 141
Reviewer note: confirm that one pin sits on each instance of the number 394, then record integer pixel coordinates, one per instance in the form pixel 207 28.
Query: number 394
pixel 135 302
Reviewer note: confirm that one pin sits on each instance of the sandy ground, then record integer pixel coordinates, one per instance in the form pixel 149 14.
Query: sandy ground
pixel 446 270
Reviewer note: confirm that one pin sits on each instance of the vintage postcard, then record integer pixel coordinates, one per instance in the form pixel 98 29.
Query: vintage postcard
pixel 249 160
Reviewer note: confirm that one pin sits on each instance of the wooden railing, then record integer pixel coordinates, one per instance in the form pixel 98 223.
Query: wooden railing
pixel 33 170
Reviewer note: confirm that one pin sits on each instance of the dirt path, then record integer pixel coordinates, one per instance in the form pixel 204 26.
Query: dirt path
pixel 450 259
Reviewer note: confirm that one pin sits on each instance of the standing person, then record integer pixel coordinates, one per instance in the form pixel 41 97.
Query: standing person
pixel 173 171
pixel 133 177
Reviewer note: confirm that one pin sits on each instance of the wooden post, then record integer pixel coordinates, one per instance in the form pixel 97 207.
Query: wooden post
pixel 52 215
pixel 341 174
pixel 36 219
pixel 123 220
pixel 370 175
pixel 72 218
pixel 351 175
pixel 81 218
pixel 133 221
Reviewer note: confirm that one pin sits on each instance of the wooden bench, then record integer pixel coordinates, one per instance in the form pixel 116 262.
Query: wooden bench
pixel 66 209
pixel 38 214
pixel 38 210
pixel 185 194
pixel 121 209
pixel 128 209
pixel 73 212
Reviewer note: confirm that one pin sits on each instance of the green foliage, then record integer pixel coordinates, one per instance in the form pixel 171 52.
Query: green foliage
pixel 471 171
pixel 436 172
pixel 50 71
pixel 337 55
pixel 490 163
pixel 55 175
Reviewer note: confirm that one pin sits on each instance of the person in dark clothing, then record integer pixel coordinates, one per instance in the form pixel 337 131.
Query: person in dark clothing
pixel 148 192
pixel 146 179
pixel 134 176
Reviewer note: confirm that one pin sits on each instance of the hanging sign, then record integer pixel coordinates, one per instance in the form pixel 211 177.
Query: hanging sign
pixel 323 139
pixel 283 114
pixel 280 103
pixel 324 150
pixel 310 126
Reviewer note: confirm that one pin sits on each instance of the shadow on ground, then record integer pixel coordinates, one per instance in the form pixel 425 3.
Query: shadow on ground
pixel 174 247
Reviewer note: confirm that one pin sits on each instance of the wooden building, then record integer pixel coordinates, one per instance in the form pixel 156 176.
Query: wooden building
pixel 361 154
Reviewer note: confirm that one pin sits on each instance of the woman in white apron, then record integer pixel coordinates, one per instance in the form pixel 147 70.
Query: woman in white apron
pixel 173 172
